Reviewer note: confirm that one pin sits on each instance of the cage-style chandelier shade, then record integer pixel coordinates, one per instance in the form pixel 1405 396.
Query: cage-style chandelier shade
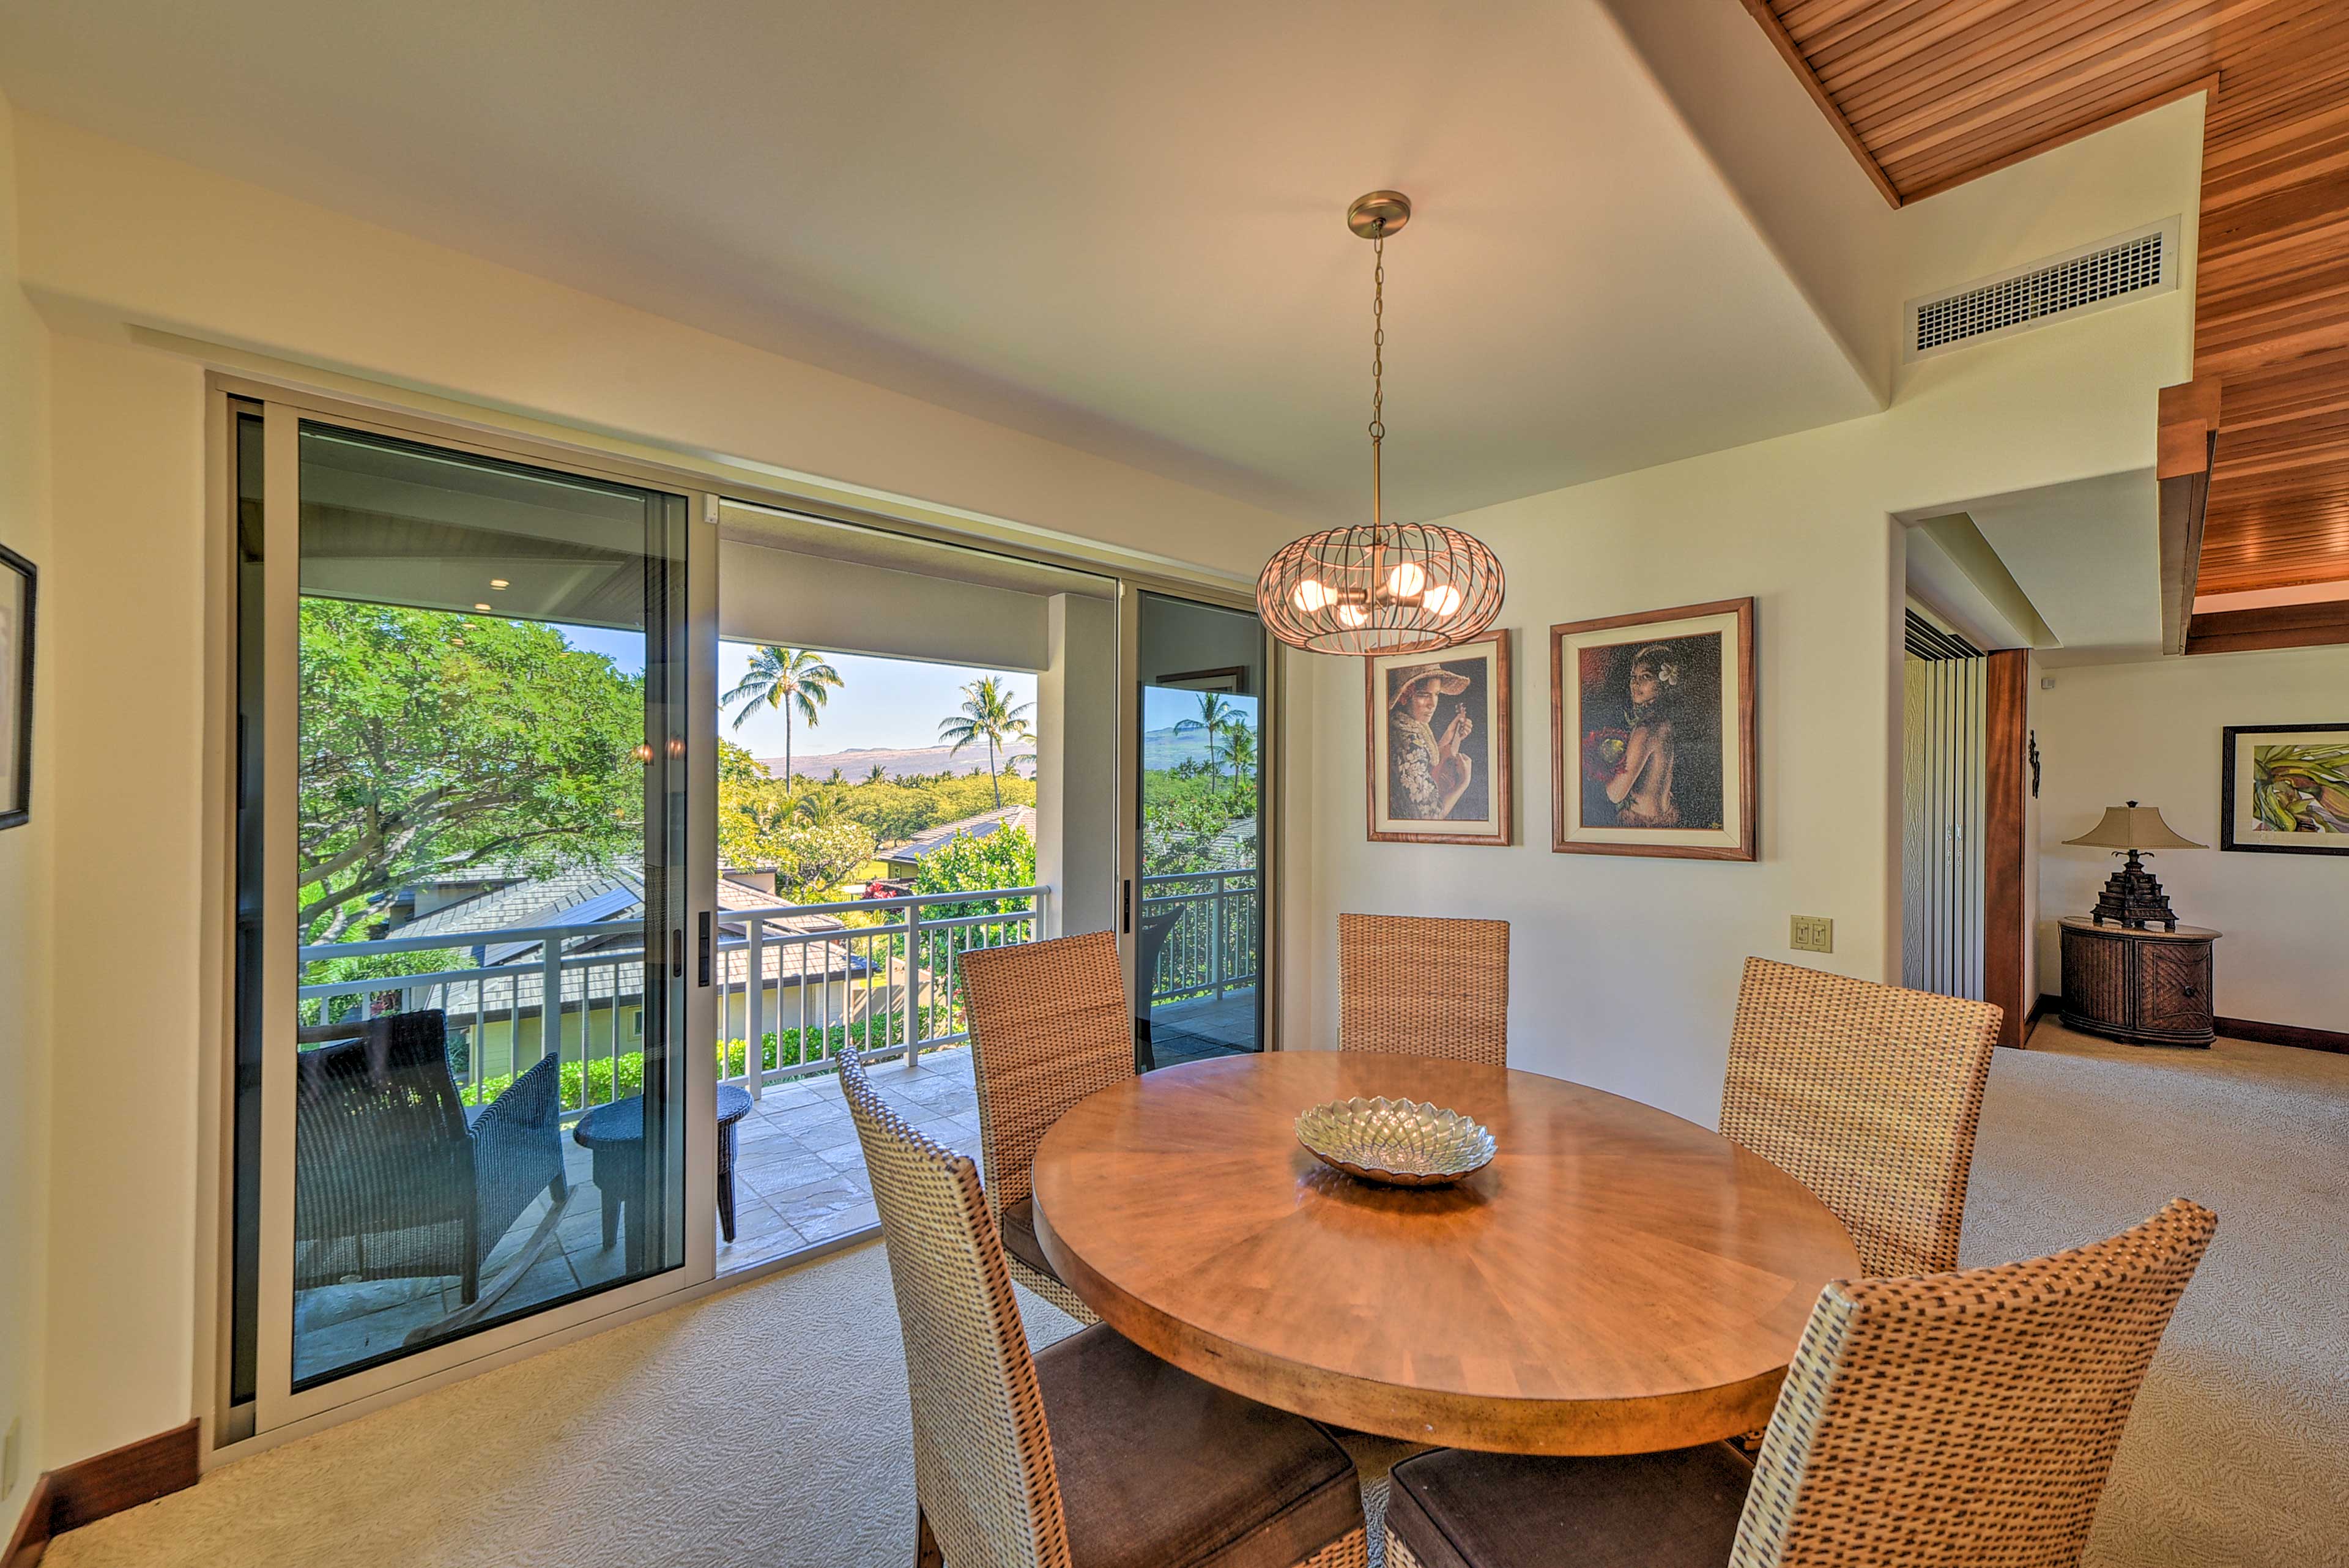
pixel 1388 587
pixel 1394 587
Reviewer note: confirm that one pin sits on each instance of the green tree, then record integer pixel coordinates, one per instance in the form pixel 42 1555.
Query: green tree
pixel 878 776
pixel 788 679
pixel 1215 717
pixel 987 714
pixel 1239 750
pixel 432 742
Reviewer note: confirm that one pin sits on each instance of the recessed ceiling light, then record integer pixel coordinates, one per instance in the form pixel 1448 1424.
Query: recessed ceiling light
pixel 499 583
pixel 480 606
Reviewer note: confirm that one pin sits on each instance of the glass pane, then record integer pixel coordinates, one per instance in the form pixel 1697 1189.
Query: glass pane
pixel 492 740
pixel 245 1220
pixel 1199 921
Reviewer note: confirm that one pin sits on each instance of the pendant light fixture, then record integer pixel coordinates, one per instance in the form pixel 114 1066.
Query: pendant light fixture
pixel 1383 587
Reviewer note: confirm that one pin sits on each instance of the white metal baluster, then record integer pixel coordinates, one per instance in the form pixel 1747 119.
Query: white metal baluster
pixel 913 984
pixel 753 1062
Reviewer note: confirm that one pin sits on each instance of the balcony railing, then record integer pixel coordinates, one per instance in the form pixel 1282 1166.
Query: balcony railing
pixel 1214 945
pixel 889 984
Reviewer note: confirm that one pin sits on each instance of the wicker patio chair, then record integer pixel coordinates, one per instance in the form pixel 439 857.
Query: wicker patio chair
pixel 1868 1095
pixel 394 1176
pixel 1049 1025
pixel 1092 1454
pixel 1410 986
pixel 1938 1422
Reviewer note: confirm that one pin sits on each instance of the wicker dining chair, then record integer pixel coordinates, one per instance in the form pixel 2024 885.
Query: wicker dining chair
pixel 1091 1453
pixel 1868 1095
pixel 1049 1025
pixel 1415 986
pixel 1944 1419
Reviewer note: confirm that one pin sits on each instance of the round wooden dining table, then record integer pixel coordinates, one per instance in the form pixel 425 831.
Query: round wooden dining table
pixel 1615 1281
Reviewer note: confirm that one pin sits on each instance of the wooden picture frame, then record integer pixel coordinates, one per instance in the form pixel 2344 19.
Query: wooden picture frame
pixel 2246 802
pixel 1699 793
pixel 1424 801
pixel 19 593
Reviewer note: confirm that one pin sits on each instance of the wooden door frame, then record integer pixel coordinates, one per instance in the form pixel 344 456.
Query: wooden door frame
pixel 2005 738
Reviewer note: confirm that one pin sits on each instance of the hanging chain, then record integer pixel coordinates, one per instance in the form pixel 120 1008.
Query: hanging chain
pixel 1378 333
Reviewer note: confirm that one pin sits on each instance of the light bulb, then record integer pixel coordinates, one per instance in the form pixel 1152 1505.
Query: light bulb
pixel 1441 601
pixel 1352 615
pixel 1310 597
pixel 480 606
pixel 1406 580
pixel 500 583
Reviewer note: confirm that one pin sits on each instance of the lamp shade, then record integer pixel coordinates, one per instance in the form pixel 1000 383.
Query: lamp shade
pixel 2134 826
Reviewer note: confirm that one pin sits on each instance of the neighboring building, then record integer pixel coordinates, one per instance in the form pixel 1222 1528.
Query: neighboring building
pixel 812 982
pixel 905 861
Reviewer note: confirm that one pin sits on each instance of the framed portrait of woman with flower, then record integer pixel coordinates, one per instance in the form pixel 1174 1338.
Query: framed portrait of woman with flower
pixel 1652 735
pixel 1437 745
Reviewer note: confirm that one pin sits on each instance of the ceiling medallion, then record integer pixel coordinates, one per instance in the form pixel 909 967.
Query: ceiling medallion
pixel 1380 587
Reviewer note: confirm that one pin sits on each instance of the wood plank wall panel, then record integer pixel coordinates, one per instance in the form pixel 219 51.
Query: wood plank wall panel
pixel 1930 95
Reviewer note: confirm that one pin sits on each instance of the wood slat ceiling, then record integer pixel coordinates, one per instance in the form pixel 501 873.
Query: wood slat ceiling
pixel 1930 93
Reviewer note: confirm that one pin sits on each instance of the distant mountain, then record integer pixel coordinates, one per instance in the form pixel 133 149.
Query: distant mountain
pixel 855 765
pixel 1165 748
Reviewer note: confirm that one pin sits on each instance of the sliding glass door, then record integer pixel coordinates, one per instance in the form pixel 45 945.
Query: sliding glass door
pixel 1198 916
pixel 470 921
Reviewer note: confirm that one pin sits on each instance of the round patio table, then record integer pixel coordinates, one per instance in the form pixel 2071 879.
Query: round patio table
pixel 1616 1281
pixel 614 1136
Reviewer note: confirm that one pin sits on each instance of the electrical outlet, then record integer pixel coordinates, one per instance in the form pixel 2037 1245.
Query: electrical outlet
pixel 9 1446
pixel 1811 934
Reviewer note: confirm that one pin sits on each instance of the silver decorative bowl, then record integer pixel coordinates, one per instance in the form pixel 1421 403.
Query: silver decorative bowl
pixel 1395 1143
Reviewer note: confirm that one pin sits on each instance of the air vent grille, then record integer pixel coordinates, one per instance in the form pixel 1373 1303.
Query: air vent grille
pixel 2104 275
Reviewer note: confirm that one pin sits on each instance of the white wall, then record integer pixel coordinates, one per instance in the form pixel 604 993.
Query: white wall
pixel 123 612
pixel 2150 732
pixel 24 879
pixel 1624 970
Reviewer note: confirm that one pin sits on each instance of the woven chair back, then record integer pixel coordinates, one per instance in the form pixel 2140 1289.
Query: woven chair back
pixel 1415 986
pixel 381 1157
pixel 1049 1025
pixel 1870 1096
pixel 983 1468
pixel 1965 1419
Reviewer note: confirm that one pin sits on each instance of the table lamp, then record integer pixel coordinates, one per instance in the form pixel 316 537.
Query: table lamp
pixel 2133 895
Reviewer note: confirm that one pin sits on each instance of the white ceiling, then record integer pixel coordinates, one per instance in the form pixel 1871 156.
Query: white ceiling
pixel 1118 226
pixel 2088 555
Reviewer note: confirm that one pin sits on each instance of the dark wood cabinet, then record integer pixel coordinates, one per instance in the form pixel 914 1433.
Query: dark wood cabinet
pixel 2148 987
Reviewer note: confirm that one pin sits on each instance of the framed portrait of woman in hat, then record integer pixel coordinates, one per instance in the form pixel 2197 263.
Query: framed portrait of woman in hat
pixel 1437 747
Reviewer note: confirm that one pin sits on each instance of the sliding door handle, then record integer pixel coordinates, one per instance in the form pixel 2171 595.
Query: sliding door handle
pixel 705 946
pixel 677 954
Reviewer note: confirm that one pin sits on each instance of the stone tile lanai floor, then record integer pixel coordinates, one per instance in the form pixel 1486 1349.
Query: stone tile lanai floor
pixel 798 1180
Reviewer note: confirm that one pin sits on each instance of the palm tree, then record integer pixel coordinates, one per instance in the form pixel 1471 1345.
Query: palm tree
pixel 878 776
pixel 1215 717
pixel 1239 750
pixel 987 714
pixel 788 679
pixel 819 809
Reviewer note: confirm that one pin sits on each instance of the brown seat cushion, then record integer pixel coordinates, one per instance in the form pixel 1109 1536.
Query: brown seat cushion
pixel 1678 1510
pixel 1159 1469
pixel 1017 1226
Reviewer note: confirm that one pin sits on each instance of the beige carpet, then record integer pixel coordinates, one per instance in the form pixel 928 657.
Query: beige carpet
pixel 768 1426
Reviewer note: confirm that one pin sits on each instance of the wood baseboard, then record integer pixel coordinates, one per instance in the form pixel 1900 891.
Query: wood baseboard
pixel 32 1535
pixel 2331 1040
pixel 120 1478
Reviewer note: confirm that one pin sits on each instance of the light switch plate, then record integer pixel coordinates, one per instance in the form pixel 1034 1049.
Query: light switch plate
pixel 1811 934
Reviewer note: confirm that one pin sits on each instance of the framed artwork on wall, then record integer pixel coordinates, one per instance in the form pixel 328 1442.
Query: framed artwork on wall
pixel 17 581
pixel 2283 789
pixel 1437 745
pixel 1651 734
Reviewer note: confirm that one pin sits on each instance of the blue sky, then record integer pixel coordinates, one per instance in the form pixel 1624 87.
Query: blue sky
pixel 885 702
